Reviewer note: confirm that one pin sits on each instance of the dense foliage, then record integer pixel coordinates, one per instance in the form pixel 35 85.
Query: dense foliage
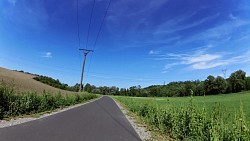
pixel 190 122
pixel 237 82
pixel 56 83
pixel 12 104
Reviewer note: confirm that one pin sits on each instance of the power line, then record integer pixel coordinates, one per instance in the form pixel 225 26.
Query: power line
pixel 86 51
pixel 78 29
pixel 99 31
pixel 54 68
pixel 90 25
pixel 101 25
pixel 78 26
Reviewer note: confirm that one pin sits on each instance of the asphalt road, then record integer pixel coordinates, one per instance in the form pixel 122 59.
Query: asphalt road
pixel 100 120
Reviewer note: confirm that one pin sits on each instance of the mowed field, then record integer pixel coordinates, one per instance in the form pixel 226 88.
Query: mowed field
pixel 24 82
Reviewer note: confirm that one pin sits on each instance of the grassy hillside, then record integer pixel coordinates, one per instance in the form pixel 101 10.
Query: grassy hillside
pixel 14 104
pixel 25 82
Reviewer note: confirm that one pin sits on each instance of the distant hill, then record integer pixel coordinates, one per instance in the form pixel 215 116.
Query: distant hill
pixel 25 82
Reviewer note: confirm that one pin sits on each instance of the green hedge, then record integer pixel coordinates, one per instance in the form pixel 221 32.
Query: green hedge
pixel 12 104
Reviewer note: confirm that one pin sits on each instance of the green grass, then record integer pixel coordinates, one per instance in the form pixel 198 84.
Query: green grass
pixel 14 104
pixel 218 117
pixel 229 103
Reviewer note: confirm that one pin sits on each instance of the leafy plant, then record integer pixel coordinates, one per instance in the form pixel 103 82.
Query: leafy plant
pixel 15 104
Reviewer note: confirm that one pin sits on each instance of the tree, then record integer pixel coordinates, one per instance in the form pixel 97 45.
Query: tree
pixel 209 85
pixel 237 81
pixel 247 83
pixel 221 85
pixel 199 88
pixel 189 87
pixel 88 88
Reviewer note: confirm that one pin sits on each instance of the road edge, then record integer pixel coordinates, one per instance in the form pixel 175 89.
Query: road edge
pixel 143 133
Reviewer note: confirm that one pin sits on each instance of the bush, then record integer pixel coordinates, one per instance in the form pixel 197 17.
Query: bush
pixel 12 104
pixel 1 112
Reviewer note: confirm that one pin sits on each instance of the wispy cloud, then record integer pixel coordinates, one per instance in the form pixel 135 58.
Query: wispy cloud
pixel 12 2
pixel 202 60
pixel 223 32
pixel 48 55
pixel 168 66
pixel 231 16
pixel 26 14
pixel 172 26
pixel 207 65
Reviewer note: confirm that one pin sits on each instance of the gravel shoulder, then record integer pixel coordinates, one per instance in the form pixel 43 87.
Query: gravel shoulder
pixel 17 121
pixel 139 128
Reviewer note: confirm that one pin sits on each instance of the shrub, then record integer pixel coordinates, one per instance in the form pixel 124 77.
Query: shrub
pixel 12 104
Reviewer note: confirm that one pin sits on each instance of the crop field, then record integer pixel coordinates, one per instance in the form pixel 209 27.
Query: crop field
pixel 220 117
pixel 229 103
pixel 23 82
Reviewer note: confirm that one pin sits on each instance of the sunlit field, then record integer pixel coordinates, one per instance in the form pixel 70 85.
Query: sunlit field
pixel 221 117
pixel 227 102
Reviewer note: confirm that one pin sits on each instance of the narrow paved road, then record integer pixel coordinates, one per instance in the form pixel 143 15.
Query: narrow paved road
pixel 100 120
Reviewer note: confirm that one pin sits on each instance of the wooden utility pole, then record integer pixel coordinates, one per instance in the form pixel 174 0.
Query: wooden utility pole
pixel 85 53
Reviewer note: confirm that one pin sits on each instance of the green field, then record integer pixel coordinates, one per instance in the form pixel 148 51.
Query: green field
pixel 229 103
pixel 217 117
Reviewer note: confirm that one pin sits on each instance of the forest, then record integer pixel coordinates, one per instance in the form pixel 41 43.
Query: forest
pixel 237 82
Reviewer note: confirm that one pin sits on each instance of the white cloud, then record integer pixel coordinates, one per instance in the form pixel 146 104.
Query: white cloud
pixel 207 65
pixel 195 61
pixel 152 52
pixel 48 55
pixel 200 58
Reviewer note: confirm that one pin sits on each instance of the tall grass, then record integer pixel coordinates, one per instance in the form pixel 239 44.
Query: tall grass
pixel 12 104
pixel 190 122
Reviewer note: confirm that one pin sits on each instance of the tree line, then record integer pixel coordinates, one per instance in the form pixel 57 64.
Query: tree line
pixel 237 82
pixel 56 83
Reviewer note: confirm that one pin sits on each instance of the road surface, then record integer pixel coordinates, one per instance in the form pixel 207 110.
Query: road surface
pixel 100 120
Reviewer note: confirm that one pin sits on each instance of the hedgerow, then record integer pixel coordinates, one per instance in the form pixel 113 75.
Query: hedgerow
pixel 16 104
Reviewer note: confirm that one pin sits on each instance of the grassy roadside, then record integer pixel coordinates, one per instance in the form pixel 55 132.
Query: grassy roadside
pixel 13 104
pixel 189 122
pixel 155 134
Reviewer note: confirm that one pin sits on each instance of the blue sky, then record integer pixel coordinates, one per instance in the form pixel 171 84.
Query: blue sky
pixel 141 42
